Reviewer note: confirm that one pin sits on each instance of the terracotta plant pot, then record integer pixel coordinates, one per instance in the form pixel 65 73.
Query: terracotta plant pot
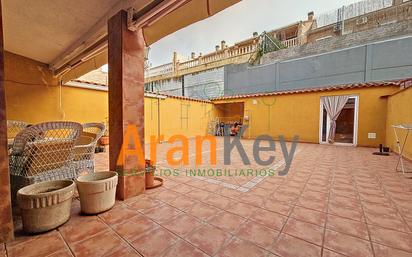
pixel 149 176
pixel 46 205
pixel 104 140
pixel 149 179
pixel 97 191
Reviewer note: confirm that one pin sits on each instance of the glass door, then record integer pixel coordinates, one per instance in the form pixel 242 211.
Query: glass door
pixel 346 124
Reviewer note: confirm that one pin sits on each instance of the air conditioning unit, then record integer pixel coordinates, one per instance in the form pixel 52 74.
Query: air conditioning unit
pixel 362 20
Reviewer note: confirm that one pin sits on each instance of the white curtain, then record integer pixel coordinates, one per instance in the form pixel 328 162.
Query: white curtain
pixel 333 106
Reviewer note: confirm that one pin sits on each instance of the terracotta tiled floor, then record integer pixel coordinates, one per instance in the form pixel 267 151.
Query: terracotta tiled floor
pixel 335 201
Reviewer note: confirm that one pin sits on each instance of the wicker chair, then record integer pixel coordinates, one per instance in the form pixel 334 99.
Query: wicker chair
pixel 85 147
pixel 13 128
pixel 43 152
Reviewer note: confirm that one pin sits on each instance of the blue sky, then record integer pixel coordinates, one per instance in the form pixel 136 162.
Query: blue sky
pixel 237 23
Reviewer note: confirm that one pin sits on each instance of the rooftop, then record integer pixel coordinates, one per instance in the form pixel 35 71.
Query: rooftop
pixel 404 83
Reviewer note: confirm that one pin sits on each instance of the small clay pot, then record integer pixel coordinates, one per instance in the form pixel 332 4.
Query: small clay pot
pixel 97 191
pixel 104 140
pixel 149 176
pixel 46 205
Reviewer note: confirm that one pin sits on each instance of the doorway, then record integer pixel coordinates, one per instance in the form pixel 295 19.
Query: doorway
pixel 229 118
pixel 346 124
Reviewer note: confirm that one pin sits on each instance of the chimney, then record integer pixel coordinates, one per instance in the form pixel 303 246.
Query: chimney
pixel 146 53
pixel 217 47
pixel 200 55
pixel 223 44
pixel 311 15
pixel 193 55
pixel 255 34
pixel 175 57
pixel 175 61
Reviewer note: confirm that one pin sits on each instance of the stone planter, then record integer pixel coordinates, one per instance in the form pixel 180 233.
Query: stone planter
pixel 97 191
pixel 46 205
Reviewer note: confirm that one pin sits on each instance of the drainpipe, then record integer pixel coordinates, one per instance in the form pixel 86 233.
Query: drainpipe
pixel 183 85
pixel 158 120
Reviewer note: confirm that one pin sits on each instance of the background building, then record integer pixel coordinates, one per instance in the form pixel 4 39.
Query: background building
pixel 364 25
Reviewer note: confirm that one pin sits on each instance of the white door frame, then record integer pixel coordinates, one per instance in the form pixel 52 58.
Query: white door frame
pixel 355 123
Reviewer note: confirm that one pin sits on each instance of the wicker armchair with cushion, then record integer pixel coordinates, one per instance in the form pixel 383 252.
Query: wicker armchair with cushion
pixel 85 147
pixel 43 152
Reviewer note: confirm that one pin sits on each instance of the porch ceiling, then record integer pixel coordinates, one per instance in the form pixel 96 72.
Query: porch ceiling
pixel 43 30
pixel 66 33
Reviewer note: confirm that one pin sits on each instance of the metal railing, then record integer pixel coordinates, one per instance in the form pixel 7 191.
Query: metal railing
pixel 352 10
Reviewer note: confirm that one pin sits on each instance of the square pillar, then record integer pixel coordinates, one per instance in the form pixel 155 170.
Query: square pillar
pixel 126 104
pixel 397 2
pixel 6 220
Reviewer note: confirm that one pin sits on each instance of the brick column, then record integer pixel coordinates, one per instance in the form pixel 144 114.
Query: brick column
pixel 126 103
pixel 6 221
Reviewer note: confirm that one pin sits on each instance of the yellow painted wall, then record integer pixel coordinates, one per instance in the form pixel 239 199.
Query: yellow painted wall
pixel 399 112
pixel 184 117
pixel 178 116
pixel 33 95
pixel 84 105
pixel 299 114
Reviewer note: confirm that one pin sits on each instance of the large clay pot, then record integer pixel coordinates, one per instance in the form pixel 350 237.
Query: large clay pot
pixel 97 191
pixel 46 205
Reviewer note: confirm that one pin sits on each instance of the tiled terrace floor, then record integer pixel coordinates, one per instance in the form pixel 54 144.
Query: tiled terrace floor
pixel 335 201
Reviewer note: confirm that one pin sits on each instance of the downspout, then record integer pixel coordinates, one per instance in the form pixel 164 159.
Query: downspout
pixel 61 110
pixel 183 85
pixel 158 120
